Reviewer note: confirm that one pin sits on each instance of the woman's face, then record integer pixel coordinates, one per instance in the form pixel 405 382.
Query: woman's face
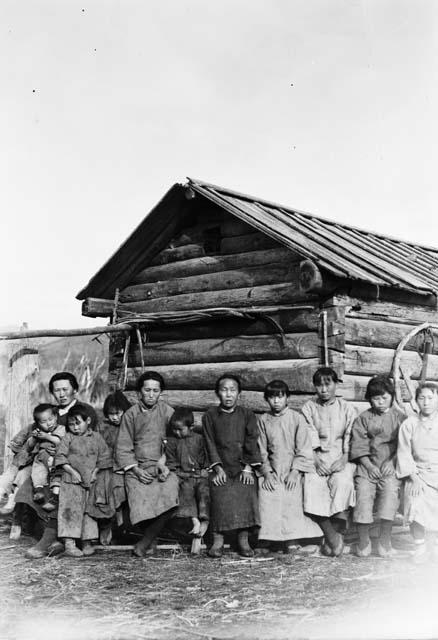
pixel 228 393
pixel 63 392
pixel 150 392
pixel 326 389
pixel 427 402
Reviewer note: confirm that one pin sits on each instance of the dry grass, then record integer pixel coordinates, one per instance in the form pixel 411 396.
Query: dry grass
pixel 112 596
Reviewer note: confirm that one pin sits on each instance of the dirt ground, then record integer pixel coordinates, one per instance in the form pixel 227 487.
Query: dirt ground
pixel 112 596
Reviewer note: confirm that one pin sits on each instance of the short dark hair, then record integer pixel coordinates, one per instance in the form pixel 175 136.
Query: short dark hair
pixel 324 372
pixel 79 409
pixel 150 375
pixel 426 385
pixel 227 376
pixel 116 401
pixel 63 375
pixel 276 388
pixel 45 406
pixel 183 415
pixel 379 385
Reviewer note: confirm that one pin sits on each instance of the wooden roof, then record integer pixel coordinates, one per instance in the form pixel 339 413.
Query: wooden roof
pixel 343 250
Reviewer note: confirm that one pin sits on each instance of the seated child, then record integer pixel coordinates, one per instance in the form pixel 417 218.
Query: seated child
pixel 417 463
pixel 329 493
pixel 81 453
pixel 231 437
pixel 186 456
pixel 374 439
pixel 287 454
pixel 108 492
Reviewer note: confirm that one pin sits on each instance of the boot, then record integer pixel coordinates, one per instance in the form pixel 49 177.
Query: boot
pixel 87 548
pixel 9 506
pixel 38 495
pixel 243 544
pixel 217 547
pixel 41 548
pixel 71 548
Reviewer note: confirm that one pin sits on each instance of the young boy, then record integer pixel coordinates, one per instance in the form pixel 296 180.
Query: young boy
pixel 186 456
pixel 373 447
pixel 81 453
pixel 329 493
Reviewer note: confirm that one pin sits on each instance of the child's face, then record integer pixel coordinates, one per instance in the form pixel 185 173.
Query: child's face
pixel 77 425
pixel 382 402
pixel 115 417
pixel 46 421
pixel 277 402
pixel 180 430
pixel 326 389
pixel 150 392
pixel 427 402
pixel 228 393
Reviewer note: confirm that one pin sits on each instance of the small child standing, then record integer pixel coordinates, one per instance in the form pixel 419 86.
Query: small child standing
pixel 329 493
pixel 81 454
pixel 186 456
pixel 231 437
pixel 287 454
pixel 374 439
pixel 417 463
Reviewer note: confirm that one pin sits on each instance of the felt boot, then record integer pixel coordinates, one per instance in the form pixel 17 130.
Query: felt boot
pixel 38 495
pixel 364 552
pixel 41 548
pixel 243 544
pixel 71 548
pixel 9 506
pixel 217 547
pixel 87 548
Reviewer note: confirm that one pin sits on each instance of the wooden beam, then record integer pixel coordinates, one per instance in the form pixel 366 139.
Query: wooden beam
pixel 231 279
pixel 382 333
pixel 97 308
pixel 214 264
pixel 248 242
pixel 184 252
pixel 278 294
pixel 369 361
pixel 52 333
pixel 389 311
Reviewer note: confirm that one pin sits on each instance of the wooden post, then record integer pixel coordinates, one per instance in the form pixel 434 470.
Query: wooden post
pixel 22 383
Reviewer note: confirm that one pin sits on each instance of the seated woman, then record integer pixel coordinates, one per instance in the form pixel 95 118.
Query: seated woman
pixel 151 489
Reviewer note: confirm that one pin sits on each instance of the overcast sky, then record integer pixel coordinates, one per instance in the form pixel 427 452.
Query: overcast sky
pixel 329 106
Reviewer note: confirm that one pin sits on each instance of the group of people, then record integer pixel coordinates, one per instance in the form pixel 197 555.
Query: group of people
pixel 269 479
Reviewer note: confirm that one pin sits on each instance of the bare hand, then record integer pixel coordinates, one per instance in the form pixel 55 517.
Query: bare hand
pixel 374 472
pixel 247 477
pixel 321 468
pixel 163 472
pixel 76 475
pixel 269 482
pixel 387 469
pixel 417 486
pixel 143 475
pixel 292 479
pixel 220 477
pixel 339 464
pixel 36 433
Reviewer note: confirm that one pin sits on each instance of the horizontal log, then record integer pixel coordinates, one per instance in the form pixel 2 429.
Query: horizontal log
pixel 247 348
pixel 213 264
pixel 202 400
pixel 97 308
pixel 389 311
pixel 369 361
pixel 248 242
pixel 379 333
pixel 254 375
pixel 232 279
pixel 277 294
pixel 178 253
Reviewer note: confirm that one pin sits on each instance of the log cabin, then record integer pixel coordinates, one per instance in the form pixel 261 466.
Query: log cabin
pixel 213 281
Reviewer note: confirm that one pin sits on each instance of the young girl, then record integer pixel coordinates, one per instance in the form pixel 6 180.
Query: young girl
pixel 152 490
pixel 373 447
pixel 231 437
pixel 287 454
pixel 329 493
pixel 81 453
pixel 417 463
pixel 186 456
pixel 108 492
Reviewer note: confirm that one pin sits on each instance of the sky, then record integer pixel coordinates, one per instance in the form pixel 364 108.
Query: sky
pixel 328 106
